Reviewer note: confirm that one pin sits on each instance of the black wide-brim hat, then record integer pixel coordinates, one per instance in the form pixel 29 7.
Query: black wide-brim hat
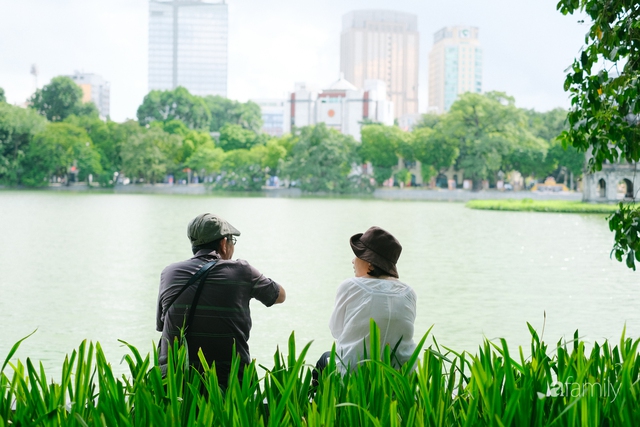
pixel 378 247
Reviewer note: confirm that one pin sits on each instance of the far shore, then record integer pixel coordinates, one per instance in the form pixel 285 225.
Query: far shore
pixel 409 193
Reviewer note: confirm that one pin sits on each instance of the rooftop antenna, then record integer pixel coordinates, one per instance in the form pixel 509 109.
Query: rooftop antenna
pixel 34 73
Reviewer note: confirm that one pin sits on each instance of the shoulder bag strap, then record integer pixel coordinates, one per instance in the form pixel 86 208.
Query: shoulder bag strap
pixel 196 297
pixel 203 271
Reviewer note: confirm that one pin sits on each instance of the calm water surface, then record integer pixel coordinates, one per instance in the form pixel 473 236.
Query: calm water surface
pixel 78 266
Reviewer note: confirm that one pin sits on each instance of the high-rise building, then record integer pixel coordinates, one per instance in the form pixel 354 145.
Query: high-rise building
pixel 455 66
pixel 94 89
pixel 188 45
pixel 383 45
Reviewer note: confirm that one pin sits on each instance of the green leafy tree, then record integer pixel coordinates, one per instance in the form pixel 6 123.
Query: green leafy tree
pixel 559 161
pixel 3 98
pixel 487 127
pixel 206 160
pixel 224 111
pixel 404 176
pixel 149 156
pixel 287 141
pixel 17 129
pixel 242 171
pixel 59 99
pixel 528 155
pixel 380 146
pixel 235 137
pixel 108 139
pixel 192 138
pixel 271 155
pixel 55 150
pixel 604 82
pixel 566 160
pixel 174 127
pixel 87 109
pixel 435 151
pixel 176 104
pixel 547 125
pixel 429 120
pixel 192 141
pixel 322 160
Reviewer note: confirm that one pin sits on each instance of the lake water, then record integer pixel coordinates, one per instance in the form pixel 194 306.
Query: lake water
pixel 86 266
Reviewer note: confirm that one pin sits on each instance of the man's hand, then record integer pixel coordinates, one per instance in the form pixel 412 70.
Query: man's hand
pixel 282 295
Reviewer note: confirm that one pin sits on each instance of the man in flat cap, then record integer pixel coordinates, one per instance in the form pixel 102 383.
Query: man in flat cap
pixel 208 297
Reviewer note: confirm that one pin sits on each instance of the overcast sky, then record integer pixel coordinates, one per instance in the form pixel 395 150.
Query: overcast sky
pixel 527 45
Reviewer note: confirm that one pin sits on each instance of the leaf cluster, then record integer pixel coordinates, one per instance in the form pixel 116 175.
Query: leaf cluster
pixel 177 104
pixel 625 223
pixel 55 150
pixel 604 82
pixel 210 112
pixel 322 160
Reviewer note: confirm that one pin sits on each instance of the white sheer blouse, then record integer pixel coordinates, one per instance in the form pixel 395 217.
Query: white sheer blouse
pixel 391 303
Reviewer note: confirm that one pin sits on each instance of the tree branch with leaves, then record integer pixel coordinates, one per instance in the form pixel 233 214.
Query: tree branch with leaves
pixel 604 82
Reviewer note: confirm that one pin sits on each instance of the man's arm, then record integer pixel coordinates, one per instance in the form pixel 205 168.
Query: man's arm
pixel 282 295
pixel 159 317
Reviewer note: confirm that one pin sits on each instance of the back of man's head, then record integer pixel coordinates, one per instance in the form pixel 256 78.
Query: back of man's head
pixel 206 230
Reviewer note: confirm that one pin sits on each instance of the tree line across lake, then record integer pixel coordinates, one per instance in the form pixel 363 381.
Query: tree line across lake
pixel 177 134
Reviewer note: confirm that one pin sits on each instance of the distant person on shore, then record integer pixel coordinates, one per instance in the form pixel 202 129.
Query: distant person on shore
pixel 208 296
pixel 374 293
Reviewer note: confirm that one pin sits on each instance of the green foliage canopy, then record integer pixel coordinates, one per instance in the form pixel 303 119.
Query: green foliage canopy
pixel 17 129
pixel 148 156
pixel 59 99
pixel 108 139
pixel 55 150
pixel 234 137
pixel 549 126
pixel 380 146
pixel 223 110
pixel 322 160
pixel 434 150
pixel 487 128
pixel 207 159
pixel 177 104
pixel 604 82
pixel 242 171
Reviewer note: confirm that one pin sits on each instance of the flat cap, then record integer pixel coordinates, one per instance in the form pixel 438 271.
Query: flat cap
pixel 208 227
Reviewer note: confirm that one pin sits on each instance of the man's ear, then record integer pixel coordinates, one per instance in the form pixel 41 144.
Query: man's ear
pixel 222 248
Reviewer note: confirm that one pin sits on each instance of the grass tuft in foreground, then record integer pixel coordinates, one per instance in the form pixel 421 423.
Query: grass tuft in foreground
pixel 529 205
pixel 566 385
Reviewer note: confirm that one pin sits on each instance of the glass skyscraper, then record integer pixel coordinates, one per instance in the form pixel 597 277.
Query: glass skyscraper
pixel 455 66
pixel 188 46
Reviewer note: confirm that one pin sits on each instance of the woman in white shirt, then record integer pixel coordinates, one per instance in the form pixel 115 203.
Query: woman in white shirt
pixel 374 293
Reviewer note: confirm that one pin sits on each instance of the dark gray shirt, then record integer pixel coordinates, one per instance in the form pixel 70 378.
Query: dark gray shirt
pixel 222 316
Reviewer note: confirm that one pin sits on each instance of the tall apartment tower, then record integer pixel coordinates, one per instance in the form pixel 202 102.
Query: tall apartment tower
pixel 94 89
pixel 383 45
pixel 188 45
pixel 455 66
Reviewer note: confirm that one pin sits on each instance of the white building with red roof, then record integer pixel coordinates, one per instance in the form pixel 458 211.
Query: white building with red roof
pixel 341 106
